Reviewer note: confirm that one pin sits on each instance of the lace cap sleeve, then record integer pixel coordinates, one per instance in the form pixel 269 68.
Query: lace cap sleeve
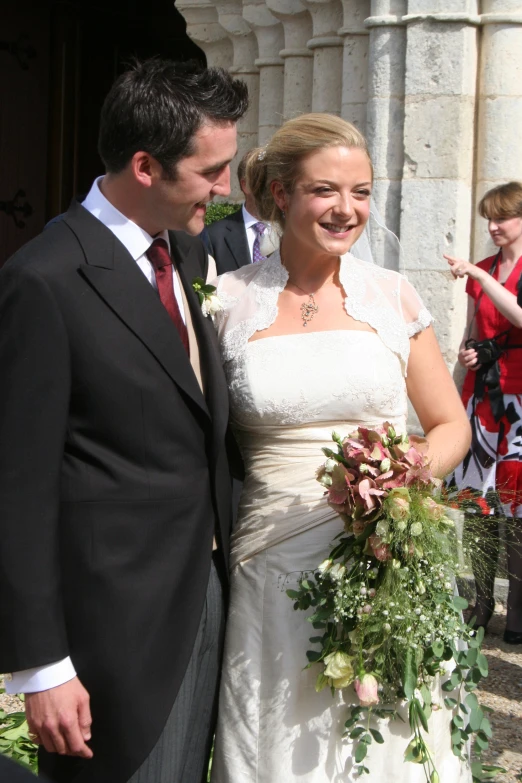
pixel 385 300
pixel 416 316
pixel 249 299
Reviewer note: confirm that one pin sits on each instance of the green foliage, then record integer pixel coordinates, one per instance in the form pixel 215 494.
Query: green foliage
pixel 218 211
pixel 14 739
pixel 359 730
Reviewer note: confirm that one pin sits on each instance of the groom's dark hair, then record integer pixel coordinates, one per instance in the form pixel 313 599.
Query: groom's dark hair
pixel 158 105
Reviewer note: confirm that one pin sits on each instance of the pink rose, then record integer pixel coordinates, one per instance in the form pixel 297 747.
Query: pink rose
pixel 380 550
pixel 398 504
pixel 366 689
pixel 436 510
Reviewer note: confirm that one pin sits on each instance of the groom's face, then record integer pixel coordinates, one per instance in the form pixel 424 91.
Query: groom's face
pixel 199 177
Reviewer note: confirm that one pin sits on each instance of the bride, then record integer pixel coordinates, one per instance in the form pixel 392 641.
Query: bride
pixel 313 340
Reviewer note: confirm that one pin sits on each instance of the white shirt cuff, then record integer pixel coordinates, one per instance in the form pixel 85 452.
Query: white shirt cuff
pixel 40 678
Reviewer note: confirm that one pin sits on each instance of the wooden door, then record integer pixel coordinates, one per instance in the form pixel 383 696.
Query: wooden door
pixel 91 44
pixel 24 79
pixel 58 59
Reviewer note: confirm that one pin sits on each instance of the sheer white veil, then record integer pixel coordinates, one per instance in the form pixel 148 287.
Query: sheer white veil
pixel 378 244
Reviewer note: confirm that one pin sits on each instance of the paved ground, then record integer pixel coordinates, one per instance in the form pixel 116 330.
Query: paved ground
pixel 9 703
pixel 502 691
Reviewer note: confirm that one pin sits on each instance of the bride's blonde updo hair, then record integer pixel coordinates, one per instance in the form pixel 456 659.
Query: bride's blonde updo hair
pixel 280 159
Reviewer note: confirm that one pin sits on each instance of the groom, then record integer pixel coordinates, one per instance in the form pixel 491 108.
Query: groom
pixel 114 466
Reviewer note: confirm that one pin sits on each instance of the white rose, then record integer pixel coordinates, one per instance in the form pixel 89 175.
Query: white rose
pixel 214 305
pixel 325 566
pixel 337 571
pixel 382 529
pixel 340 669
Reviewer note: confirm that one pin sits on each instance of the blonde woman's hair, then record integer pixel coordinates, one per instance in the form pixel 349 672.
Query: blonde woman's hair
pixel 504 201
pixel 282 156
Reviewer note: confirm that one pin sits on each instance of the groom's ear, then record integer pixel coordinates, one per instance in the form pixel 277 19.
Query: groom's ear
pixel 144 168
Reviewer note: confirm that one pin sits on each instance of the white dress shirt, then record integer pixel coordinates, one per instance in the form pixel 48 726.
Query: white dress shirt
pixel 137 242
pixel 249 221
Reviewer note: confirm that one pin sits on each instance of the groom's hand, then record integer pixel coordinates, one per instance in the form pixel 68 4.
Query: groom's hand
pixel 60 719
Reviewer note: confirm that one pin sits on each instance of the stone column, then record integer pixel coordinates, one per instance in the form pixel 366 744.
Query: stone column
pixel 385 112
pixel 270 40
pixel 244 44
pixel 204 29
pixel 441 73
pixel 354 95
pixel 327 46
pixel 385 124
pixel 499 153
pixel 297 57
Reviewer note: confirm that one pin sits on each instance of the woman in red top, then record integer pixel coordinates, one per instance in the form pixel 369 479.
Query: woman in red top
pixel 492 394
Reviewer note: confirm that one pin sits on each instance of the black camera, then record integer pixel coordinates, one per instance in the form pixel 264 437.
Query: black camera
pixel 488 351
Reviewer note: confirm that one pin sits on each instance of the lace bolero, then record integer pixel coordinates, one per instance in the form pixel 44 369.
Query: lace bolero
pixel 382 298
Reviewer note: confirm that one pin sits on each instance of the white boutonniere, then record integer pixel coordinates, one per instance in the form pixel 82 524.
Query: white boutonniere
pixel 208 299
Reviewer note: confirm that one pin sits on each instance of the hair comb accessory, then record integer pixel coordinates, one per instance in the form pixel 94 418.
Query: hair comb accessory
pixel 262 155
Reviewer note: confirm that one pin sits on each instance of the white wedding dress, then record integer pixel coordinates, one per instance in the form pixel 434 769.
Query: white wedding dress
pixel 287 395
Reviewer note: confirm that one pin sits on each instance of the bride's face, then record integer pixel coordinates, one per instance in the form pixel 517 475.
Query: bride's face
pixel 330 203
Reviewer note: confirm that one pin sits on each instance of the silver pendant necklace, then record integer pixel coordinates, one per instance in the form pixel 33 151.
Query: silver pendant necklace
pixel 308 309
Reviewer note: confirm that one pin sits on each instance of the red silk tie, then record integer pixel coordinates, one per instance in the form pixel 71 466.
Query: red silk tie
pixel 159 256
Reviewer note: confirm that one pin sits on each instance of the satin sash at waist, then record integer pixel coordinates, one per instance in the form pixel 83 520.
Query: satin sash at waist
pixel 281 496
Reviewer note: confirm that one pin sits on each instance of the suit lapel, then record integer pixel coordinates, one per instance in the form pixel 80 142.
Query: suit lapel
pixel 116 277
pixel 215 386
pixel 236 238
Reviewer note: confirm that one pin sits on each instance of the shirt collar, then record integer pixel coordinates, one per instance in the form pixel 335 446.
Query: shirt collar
pixel 135 239
pixel 249 219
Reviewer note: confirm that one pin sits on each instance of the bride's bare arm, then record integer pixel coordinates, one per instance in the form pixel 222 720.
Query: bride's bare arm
pixel 434 396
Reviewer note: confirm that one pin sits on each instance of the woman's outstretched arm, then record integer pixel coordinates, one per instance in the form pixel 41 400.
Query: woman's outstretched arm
pixel 504 301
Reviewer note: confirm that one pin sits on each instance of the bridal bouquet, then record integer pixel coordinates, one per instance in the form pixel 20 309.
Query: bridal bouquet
pixel 384 602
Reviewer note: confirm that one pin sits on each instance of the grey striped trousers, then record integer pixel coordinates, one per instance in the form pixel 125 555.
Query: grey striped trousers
pixel 182 751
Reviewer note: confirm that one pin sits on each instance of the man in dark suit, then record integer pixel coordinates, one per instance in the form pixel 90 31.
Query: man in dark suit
pixel 114 465
pixel 239 238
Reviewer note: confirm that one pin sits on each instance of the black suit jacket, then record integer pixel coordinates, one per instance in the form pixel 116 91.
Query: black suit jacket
pixel 113 479
pixel 227 242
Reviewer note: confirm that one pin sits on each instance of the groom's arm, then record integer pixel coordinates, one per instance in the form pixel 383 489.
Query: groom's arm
pixel 34 404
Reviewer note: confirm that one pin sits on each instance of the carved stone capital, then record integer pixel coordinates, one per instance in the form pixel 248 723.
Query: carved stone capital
pixel 203 28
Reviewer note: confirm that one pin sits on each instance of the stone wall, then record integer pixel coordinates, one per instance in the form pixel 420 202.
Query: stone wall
pixel 436 85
